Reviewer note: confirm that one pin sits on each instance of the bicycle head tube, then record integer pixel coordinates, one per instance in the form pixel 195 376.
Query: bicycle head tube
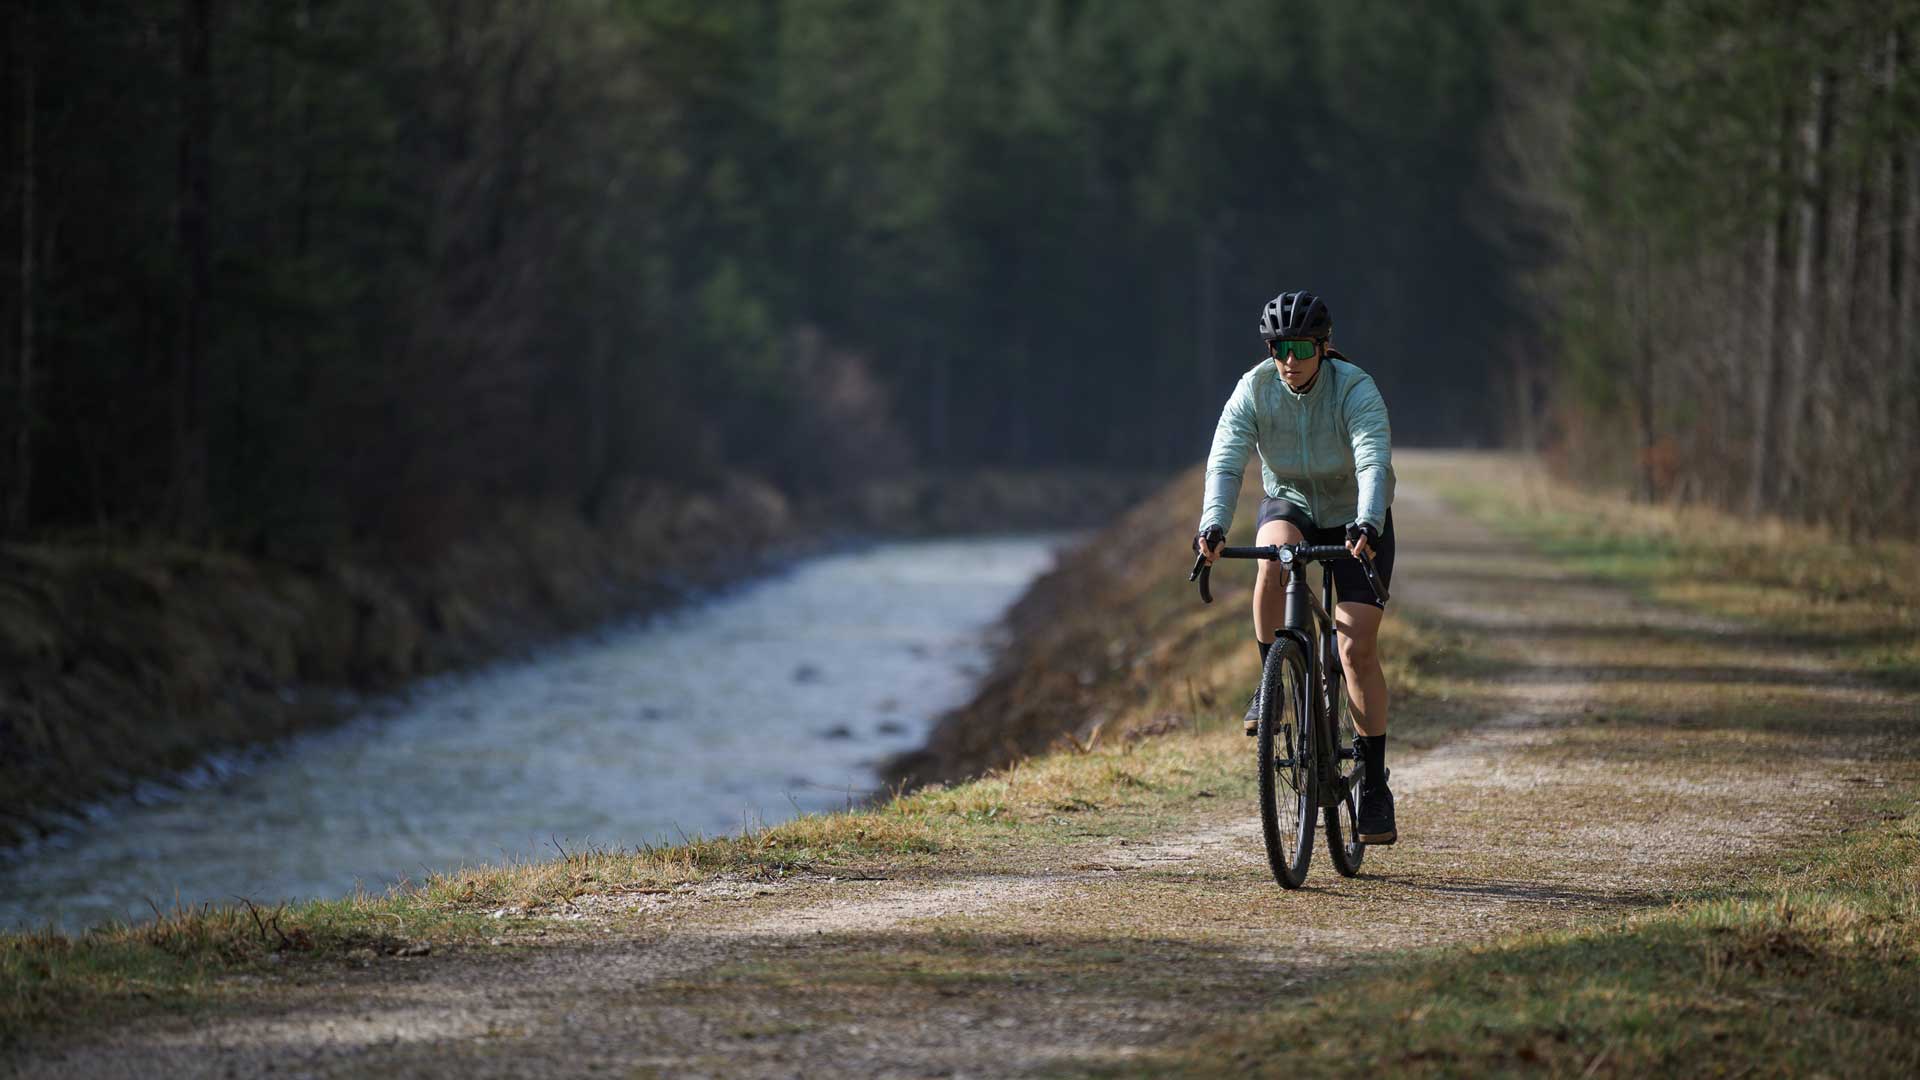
pixel 1299 606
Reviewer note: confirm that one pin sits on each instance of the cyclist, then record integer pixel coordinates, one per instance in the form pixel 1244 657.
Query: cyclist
pixel 1321 430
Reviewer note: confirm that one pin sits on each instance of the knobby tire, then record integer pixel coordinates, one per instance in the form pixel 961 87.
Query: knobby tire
pixel 1287 812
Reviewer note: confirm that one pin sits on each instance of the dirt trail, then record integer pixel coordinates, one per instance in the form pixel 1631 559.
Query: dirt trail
pixel 1558 807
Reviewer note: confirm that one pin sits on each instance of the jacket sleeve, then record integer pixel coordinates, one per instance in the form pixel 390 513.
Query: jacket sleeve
pixel 1232 438
pixel 1372 450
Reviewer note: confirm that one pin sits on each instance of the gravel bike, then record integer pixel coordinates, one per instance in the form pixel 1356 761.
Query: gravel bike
pixel 1310 766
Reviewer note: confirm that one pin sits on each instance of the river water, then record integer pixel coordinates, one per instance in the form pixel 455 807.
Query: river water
pixel 774 699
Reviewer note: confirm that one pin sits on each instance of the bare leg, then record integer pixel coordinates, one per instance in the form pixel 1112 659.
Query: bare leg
pixel 1270 581
pixel 1360 655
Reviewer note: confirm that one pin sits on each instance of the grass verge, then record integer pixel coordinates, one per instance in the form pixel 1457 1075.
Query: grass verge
pixel 50 980
pixel 1855 604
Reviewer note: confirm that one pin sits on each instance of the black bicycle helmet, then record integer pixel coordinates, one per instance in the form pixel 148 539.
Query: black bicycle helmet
pixel 1296 315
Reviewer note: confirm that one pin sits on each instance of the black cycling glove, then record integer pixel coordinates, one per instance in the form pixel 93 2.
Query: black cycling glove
pixel 1213 536
pixel 1360 528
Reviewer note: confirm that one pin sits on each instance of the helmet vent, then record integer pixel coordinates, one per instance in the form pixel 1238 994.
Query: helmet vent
pixel 1296 314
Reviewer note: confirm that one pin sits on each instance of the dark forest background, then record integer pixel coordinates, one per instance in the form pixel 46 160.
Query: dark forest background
pixel 291 274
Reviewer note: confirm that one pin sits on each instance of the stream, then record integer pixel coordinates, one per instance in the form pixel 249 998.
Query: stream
pixel 776 698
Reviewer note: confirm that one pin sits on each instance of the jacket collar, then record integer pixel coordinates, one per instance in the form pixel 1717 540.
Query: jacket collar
pixel 1313 388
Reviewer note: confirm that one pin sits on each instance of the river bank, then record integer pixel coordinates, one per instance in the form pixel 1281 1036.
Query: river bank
pixel 126 663
pixel 1114 644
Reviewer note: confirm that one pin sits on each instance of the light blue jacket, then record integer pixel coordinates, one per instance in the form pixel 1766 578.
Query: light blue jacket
pixel 1326 451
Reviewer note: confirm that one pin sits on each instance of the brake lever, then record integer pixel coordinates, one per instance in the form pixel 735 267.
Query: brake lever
pixel 1202 571
pixel 1373 577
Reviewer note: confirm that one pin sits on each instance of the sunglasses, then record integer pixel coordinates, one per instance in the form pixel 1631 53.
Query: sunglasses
pixel 1298 348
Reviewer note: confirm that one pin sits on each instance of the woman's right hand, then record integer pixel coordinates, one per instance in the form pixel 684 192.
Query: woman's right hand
pixel 1207 544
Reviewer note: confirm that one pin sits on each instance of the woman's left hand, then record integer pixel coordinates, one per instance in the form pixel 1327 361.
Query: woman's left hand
pixel 1357 543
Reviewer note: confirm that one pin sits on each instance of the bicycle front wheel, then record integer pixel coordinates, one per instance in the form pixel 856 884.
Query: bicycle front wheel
pixel 1287 810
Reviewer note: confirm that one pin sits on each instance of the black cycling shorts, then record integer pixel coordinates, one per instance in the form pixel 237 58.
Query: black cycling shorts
pixel 1349 581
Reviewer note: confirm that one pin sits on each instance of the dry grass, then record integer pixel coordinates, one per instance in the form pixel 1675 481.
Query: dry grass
pixel 1856 603
pixel 1813 971
pixel 1118 788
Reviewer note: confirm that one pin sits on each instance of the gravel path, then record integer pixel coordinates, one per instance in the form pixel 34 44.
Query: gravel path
pixel 1551 811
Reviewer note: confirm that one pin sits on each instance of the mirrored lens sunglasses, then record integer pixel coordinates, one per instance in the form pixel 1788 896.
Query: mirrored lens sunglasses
pixel 1298 348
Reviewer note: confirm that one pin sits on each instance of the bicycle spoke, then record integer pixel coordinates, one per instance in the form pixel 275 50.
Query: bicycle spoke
pixel 1343 818
pixel 1288 766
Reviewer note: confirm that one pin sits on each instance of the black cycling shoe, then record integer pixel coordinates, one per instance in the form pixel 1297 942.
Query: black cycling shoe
pixel 1252 721
pixel 1376 812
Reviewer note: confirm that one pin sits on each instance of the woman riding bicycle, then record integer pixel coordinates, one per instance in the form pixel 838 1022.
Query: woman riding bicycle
pixel 1326 464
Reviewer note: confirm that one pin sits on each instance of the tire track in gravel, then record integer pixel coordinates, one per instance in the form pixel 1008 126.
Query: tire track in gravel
pixel 1527 820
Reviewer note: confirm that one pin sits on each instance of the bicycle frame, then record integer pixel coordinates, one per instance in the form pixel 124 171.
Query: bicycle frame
pixel 1323 790
pixel 1306 620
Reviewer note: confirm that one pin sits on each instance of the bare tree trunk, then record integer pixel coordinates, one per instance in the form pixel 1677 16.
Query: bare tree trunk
pixel 1647 369
pixel 939 403
pixel 303 202
pixel 1526 426
pixel 1899 211
pixel 192 217
pixel 245 467
pixel 20 504
pixel 1810 325
pixel 1899 368
pixel 597 448
pixel 1864 443
pixel 1718 388
pixel 1206 289
pixel 1741 342
pixel 1906 357
pixel 1769 389
pixel 1844 481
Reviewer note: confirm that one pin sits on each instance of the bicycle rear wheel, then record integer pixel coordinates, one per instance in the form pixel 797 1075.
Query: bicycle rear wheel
pixel 1343 818
pixel 1287 812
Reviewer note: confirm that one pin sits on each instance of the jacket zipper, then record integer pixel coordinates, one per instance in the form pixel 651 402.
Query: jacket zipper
pixel 1306 457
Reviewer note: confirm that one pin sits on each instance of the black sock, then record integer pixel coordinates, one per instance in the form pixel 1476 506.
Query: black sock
pixel 1373 754
pixel 1265 648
